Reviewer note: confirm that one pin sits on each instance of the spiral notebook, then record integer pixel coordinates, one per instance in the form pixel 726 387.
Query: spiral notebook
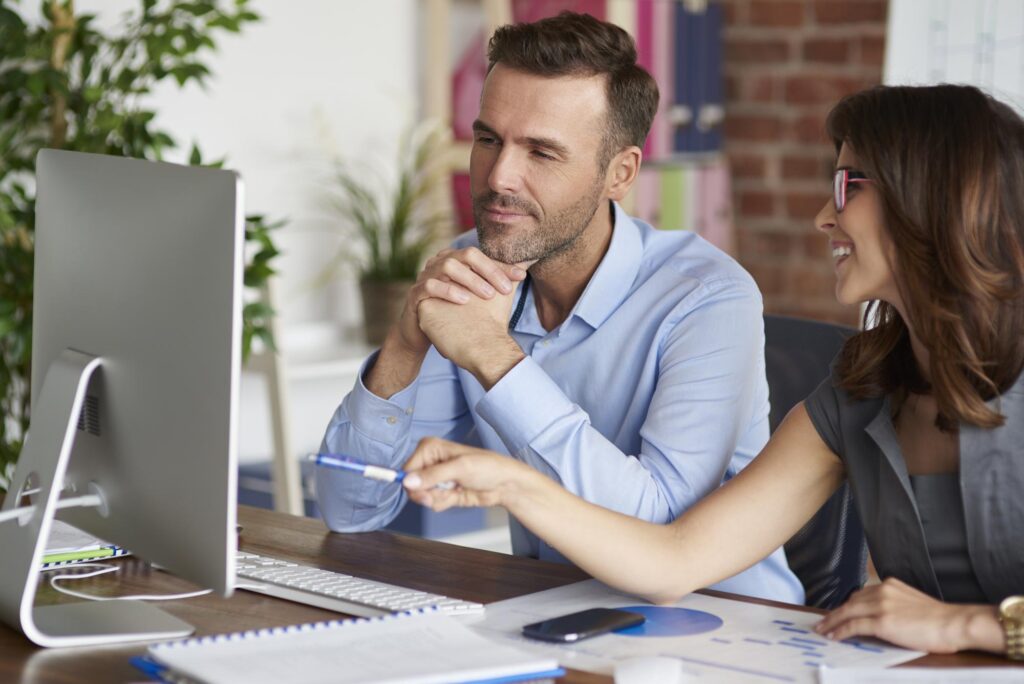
pixel 420 647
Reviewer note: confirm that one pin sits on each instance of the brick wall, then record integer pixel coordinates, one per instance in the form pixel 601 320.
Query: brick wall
pixel 786 63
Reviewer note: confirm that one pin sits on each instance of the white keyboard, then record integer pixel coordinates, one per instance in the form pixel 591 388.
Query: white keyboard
pixel 336 591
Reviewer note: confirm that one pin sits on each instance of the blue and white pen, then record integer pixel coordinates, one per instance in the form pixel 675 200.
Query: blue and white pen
pixel 367 470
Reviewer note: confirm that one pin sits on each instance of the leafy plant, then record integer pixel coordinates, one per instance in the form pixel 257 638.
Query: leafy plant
pixel 66 84
pixel 393 226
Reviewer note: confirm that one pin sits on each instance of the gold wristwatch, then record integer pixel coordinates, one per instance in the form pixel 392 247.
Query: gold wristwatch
pixel 1011 617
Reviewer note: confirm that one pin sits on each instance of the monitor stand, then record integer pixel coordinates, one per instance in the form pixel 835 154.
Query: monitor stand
pixel 42 465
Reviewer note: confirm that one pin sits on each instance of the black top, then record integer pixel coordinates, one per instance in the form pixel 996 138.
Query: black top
pixel 942 517
pixel 962 540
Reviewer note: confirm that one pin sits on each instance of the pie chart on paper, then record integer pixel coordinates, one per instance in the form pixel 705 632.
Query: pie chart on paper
pixel 666 621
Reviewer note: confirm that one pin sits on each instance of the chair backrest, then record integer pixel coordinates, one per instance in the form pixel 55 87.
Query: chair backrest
pixel 829 554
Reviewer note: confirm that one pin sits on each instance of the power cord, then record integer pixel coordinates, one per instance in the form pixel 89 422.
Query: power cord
pixel 104 569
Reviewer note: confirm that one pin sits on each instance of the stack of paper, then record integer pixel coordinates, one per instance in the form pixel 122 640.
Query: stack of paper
pixel 68 544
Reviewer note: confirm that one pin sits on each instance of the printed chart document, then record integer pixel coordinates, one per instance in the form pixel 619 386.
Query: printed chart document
pixel 407 648
pixel 718 640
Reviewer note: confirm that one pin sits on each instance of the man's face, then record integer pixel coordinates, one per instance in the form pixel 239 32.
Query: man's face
pixel 534 173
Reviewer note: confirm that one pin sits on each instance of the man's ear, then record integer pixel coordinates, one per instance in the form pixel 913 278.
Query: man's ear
pixel 622 172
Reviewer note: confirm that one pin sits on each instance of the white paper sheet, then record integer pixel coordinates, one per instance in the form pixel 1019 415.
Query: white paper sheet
pixel 932 675
pixel 752 643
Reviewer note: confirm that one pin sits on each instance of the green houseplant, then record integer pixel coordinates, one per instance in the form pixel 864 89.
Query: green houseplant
pixel 66 84
pixel 389 228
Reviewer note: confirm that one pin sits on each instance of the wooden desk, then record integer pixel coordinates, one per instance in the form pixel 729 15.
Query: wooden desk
pixel 431 566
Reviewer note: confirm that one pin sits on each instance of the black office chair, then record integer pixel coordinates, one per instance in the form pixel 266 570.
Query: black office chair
pixel 829 554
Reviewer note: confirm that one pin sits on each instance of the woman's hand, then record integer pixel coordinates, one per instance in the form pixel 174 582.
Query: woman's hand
pixel 443 474
pixel 902 615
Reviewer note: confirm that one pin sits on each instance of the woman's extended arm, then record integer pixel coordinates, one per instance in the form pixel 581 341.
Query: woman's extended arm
pixel 728 531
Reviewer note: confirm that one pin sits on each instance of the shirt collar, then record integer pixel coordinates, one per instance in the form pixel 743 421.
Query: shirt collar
pixel 614 277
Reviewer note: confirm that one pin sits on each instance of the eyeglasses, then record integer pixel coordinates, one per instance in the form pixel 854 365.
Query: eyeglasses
pixel 841 182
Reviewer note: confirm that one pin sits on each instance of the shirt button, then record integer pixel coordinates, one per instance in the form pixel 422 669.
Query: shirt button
pixel 546 342
pixel 392 420
pixel 408 411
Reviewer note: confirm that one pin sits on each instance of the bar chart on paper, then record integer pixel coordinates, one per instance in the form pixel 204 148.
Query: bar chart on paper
pixel 947 41
pixel 716 639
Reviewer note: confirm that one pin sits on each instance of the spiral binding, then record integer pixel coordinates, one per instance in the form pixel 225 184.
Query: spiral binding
pixel 289 629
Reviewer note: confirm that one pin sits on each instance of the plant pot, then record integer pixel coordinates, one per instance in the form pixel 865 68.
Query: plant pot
pixel 383 301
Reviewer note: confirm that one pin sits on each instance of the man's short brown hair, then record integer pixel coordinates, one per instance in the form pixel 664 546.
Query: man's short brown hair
pixel 572 44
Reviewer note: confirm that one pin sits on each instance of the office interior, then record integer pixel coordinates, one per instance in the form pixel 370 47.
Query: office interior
pixel 316 83
pixel 316 86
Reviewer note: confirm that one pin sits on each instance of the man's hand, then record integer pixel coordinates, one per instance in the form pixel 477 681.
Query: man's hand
pixel 453 276
pixel 473 335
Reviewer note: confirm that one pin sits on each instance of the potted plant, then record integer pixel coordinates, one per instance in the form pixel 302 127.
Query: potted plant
pixel 66 84
pixel 389 228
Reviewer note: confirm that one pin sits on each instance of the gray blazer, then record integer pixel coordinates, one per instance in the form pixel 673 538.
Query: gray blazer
pixel 991 484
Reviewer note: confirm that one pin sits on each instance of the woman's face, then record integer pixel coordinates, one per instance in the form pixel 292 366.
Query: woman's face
pixel 862 250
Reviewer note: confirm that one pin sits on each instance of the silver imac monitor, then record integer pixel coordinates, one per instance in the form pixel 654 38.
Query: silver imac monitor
pixel 135 365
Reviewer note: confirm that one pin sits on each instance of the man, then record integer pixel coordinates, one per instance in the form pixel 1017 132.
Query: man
pixel 628 364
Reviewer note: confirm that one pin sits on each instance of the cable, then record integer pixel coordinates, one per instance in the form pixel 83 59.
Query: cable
pixel 84 501
pixel 104 569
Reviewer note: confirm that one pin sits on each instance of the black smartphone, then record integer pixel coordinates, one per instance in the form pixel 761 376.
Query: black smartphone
pixel 582 625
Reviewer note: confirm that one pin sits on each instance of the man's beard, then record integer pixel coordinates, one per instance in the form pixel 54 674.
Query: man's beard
pixel 551 236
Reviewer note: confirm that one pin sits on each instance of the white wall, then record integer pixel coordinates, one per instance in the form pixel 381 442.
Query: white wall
pixel 312 80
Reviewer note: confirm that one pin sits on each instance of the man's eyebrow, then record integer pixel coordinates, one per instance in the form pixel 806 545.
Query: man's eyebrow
pixel 534 141
pixel 480 127
pixel 548 144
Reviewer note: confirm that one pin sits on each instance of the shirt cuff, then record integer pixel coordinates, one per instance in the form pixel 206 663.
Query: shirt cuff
pixel 382 420
pixel 524 403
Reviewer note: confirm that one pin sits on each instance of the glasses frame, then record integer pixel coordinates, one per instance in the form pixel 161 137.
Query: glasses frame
pixel 841 181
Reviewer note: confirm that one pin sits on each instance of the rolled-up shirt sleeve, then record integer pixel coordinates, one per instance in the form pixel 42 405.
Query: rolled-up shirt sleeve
pixel 385 432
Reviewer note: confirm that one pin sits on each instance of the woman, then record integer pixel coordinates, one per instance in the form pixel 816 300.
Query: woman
pixel 923 413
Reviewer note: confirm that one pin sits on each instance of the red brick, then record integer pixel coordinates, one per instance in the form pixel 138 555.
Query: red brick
pixel 770 278
pixel 774 245
pixel 811 280
pixel 753 127
pixel 730 13
pixel 809 129
pixel 753 203
pixel 747 165
pixel 804 206
pixel 813 167
pixel 777 13
pixel 826 50
pixel 746 50
pixel 820 89
pixel 872 50
pixel 816 246
pixel 850 11
pixel 763 89
pixel 732 88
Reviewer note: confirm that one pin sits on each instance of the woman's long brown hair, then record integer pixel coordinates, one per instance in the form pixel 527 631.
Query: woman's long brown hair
pixel 948 163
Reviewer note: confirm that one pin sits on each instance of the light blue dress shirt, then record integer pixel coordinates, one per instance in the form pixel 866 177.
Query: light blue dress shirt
pixel 650 395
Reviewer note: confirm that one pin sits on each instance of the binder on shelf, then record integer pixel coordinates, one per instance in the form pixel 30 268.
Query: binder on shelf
pixel 420 647
pixel 698 103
